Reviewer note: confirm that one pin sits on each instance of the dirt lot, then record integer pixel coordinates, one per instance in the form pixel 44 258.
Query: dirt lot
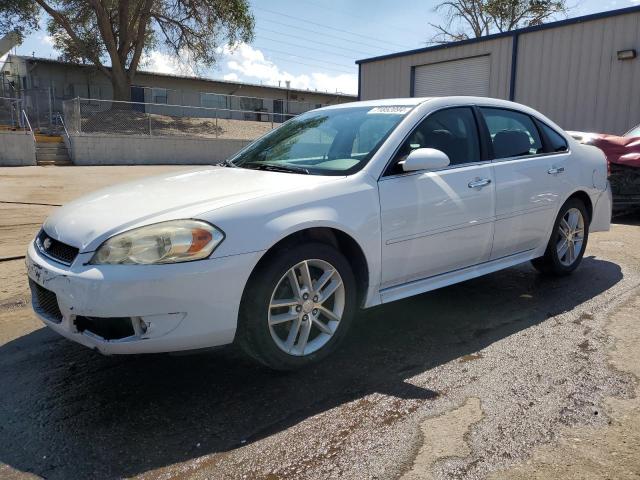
pixel 507 376
pixel 137 123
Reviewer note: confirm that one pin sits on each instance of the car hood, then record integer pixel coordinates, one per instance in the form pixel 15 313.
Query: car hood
pixel 91 219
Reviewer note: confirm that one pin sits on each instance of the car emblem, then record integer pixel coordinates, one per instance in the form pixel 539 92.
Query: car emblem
pixel 47 243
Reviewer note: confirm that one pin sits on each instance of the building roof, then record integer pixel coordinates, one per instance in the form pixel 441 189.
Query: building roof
pixel 561 23
pixel 186 77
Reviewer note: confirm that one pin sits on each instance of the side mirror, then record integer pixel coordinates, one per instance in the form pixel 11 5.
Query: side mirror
pixel 425 159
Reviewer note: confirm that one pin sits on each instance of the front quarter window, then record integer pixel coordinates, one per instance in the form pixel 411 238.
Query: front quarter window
pixel 336 141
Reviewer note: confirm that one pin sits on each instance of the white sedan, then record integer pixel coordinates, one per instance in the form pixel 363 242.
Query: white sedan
pixel 341 208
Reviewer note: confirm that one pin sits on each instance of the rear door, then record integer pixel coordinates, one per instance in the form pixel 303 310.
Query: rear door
pixel 528 181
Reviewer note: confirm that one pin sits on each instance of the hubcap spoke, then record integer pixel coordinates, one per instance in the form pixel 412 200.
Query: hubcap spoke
pixel 293 334
pixel 305 330
pixel 322 281
pixel 329 314
pixel 331 289
pixel 562 250
pixel 306 275
pixel 571 252
pixel 287 302
pixel 293 280
pixel 573 218
pixel 322 327
pixel 283 318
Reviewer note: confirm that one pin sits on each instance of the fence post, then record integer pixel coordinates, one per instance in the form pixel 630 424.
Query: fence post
pixel 77 114
pixel 50 110
pixel 272 120
pixel 217 131
pixel 149 117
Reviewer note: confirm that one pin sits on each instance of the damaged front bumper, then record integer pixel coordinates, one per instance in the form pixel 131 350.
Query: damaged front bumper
pixel 120 309
pixel 625 185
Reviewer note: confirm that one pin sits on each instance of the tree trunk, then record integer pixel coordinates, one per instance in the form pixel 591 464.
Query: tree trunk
pixel 121 87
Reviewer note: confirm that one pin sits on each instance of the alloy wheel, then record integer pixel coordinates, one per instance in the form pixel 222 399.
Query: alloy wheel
pixel 306 307
pixel 570 237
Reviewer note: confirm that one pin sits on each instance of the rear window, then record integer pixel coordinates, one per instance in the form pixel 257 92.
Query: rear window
pixel 513 134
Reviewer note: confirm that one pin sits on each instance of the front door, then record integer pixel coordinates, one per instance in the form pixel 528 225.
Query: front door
pixel 440 221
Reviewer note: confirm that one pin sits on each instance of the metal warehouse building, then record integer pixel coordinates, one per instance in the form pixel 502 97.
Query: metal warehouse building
pixel 583 73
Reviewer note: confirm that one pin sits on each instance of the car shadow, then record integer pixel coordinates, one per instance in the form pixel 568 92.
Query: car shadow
pixel 632 219
pixel 67 412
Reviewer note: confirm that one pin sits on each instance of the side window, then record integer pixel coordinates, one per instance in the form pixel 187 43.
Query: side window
pixel 555 140
pixel 452 131
pixel 513 134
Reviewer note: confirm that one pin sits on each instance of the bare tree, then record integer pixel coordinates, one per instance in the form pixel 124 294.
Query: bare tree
pixel 116 33
pixel 477 18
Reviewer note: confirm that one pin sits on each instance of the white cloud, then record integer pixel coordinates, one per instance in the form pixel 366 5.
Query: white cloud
pixel 231 77
pixel 160 62
pixel 47 40
pixel 250 63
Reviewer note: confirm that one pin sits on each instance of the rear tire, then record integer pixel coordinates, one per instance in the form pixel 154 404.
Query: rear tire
pixel 568 240
pixel 287 327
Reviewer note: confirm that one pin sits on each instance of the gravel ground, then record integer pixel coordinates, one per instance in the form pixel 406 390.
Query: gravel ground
pixel 512 375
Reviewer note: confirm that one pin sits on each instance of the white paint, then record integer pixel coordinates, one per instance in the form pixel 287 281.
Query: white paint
pixel 418 231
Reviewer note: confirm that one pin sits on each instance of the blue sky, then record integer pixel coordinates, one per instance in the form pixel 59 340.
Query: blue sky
pixel 314 43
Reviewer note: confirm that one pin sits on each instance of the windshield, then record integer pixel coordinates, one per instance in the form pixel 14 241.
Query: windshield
pixel 634 132
pixel 324 142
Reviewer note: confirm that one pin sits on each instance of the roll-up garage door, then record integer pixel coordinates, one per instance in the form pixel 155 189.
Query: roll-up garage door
pixel 468 76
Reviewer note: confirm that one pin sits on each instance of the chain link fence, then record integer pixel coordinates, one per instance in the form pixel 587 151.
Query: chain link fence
pixel 109 117
pixel 11 113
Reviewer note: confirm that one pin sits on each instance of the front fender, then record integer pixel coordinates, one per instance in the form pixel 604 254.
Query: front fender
pixel 351 207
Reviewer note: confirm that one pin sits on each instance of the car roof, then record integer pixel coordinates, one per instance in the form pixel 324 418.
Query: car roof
pixel 415 101
pixel 381 103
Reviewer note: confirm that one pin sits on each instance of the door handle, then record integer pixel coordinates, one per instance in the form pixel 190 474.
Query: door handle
pixel 555 170
pixel 479 183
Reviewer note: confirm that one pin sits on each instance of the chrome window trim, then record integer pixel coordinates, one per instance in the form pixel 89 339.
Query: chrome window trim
pixel 529 157
pixel 450 167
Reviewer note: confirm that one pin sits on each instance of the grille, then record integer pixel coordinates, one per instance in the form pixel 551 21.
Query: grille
pixel 55 249
pixel 45 302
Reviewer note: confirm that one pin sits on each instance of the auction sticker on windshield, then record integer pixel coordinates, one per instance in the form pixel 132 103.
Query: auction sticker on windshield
pixel 389 109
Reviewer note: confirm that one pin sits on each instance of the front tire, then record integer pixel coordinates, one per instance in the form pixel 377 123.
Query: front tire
pixel 297 307
pixel 568 240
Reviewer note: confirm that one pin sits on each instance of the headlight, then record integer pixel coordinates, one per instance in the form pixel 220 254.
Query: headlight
pixel 166 242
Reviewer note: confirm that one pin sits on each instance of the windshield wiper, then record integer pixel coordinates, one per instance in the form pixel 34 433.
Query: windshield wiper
pixel 226 163
pixel 276 168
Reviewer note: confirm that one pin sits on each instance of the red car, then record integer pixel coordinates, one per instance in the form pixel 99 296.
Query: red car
pixel 623 155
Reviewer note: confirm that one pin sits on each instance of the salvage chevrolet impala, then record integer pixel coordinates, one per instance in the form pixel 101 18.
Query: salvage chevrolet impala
pixel 341 208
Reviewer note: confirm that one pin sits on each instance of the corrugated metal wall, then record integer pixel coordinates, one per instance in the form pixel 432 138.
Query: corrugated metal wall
pixel 570 73
pixel 392 77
